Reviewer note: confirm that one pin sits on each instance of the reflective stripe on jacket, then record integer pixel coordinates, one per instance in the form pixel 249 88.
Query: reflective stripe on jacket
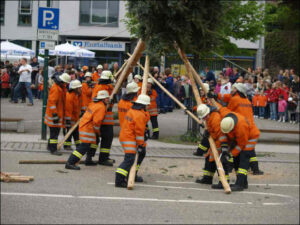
pixel 133 130
pixel 86 96
pixel 73 107
pixel 55 105
pixel 152 108
pixel 91 121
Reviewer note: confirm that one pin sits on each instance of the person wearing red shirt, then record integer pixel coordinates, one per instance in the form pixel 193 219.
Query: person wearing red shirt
pixel 5 87
pixel 273 100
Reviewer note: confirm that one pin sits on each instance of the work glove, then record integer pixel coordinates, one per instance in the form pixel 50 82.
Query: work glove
pixel 55 118
pixel 225 155
pixel 81 113
pixel 141 149
pixel 206 134
pixel 211 95
pixel 68 123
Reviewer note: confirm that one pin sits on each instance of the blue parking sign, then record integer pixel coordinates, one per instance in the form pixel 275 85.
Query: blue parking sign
pixel 48 18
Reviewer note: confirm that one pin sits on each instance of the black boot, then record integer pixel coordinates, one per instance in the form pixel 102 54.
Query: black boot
pixel 255 169
pixel 155 135
pixel 205 180
pixel 68 148
pixel 71 166
pixel 89 161
pixel 239 184
pixel 106 162
pixel 138 179
pixel 120 181
pixel 56 153
pixel 218 186
pixel 198 152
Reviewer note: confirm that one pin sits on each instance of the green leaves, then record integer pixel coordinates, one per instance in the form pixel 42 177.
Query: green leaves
pixel 196 26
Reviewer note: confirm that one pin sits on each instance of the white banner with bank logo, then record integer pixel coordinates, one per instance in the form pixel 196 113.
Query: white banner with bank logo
pixel 100 45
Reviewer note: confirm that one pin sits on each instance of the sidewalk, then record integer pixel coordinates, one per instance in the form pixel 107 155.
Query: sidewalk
pixel 34 142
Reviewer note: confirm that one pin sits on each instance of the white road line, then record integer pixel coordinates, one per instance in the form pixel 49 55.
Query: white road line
pixel 274 203
pixel 273 185
pixel 120 198
pixel 211 190
pixel 37 195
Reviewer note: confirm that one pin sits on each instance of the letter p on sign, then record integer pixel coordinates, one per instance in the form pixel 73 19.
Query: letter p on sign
pixel 47 16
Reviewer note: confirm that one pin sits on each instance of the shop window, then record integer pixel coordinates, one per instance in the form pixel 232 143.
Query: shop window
pixel 25 12
pixel 2 12
pixel 24 43
pixel 99 12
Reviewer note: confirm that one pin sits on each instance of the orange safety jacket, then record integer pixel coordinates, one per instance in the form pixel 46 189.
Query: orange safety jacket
pixel 255 101
pixel 224 98
pixel 91 122
pixel 244 107
pixel 73 107
pixel 95 77
pixel 55 105
pixel 262 101
pixel 86 95
pixel 123 107
pixel 109 117
pixel 152 108
pixel 243 134
pixel 133 130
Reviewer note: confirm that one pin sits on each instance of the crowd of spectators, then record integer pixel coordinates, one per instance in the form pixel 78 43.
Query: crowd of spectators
pixel 274 96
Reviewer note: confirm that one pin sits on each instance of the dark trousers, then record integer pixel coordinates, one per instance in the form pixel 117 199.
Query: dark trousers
pixel 255 110
pixel 5 92
pixel 107 135
pixel 154 124
pixel 242 163
pixel 124 168
pixel 53 140
pixel 74 134
pixel 79 153
pixel 169 103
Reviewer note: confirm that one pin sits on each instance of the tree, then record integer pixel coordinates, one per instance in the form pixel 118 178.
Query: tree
pixel 282 38
pixel 197 26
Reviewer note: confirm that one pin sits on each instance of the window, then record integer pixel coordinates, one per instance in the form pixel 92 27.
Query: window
pixel 99 12
pixel 2 12
pixel 25 12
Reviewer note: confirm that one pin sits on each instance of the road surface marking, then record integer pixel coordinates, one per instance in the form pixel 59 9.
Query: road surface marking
pixel 199 189
pixel 120 198
pixel 273 185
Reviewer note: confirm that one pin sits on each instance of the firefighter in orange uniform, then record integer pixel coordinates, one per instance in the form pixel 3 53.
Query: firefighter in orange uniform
pixel 87 90
pixel 84 70
pixel 139 80
pixel 242 138
pixel 107 130
pixel 89 127
pixel 97 74
pixel 213 120
pixel 126 102
pixel 132 139
pixel 152 109
pixel 239 103
pixel 55 111
pixel 72 112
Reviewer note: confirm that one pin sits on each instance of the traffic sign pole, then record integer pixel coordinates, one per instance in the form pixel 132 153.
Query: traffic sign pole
pixel 45 91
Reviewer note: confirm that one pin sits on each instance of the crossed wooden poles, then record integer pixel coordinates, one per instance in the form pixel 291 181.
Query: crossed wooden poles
pixel 123 73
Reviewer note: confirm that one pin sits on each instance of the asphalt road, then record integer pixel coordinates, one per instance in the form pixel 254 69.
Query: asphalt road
pixel 168 195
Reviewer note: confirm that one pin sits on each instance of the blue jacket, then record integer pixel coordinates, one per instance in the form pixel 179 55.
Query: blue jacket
pixel 170 84
pixel 210 76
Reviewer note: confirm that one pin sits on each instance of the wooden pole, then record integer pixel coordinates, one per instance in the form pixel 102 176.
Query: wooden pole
pixel 132 172
pixel 120 70
pixel 219 165
pixel 171 96
pixel 45 162
pixel 131 62
pixel 60 144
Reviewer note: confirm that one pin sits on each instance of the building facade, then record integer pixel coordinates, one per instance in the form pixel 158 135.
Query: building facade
pixel 85 23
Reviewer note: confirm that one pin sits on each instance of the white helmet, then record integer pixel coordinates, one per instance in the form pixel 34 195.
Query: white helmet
pixel 206 86
pixel 75 84
pixel 203 110
pixel 143 99
pixel 290 99
pixel 102 94
pixel 240 87
pixel 227 124
pixel 88 74
pixel 132 88
pixel 150 81
pixel 105 75
pixel 99 67
pixel 138 77
pixel 65 78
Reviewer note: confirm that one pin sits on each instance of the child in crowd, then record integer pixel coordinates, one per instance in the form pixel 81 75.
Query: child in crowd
pixel 255 103
pixel 291 106
pixel 262 103
pixel 281 108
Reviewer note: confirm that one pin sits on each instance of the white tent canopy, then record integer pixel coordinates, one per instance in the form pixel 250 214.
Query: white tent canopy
pixel 69 50
pixel 11 49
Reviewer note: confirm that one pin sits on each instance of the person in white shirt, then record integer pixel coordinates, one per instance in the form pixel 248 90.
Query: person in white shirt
pixel 24 81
